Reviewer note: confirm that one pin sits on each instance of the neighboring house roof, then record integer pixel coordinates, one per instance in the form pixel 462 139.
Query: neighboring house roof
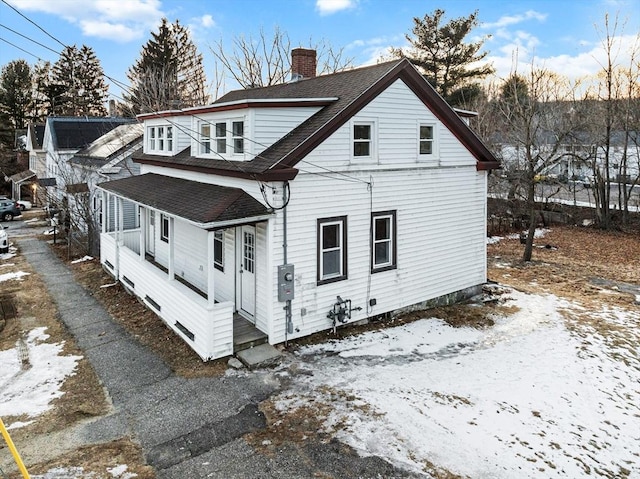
pixel 207 205
pixel 346 93
pixel 74 133
pixel 110 146
pixel 22 176
pixel 47 181
pixel 36 134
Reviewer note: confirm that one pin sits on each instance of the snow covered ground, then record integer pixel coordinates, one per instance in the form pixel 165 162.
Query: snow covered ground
pixel 552 390
pixel 31 376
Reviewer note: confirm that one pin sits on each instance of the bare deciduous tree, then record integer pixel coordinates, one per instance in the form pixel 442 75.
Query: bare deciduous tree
pixel 265 60
pixel 536 119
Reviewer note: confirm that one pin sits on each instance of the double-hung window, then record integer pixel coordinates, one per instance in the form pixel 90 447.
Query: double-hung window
pixel 427 140
pixel 218 249
pixel 221 137
pixel 383 241
pixel 164 228
pixel 205 138
pixel 363 140
pixel 237 131
pixel 332 249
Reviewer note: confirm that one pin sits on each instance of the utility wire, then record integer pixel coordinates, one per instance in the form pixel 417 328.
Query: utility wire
pixel 193 134
pixel 22 49
pixel 34 23
pixel 30 39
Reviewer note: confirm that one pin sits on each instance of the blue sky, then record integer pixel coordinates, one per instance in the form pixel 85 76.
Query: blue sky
pixel 560 35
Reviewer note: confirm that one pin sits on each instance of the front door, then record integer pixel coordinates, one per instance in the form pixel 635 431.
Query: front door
pixel 248 271
pixel 151 233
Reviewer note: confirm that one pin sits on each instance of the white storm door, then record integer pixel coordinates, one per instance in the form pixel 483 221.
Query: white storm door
pixel 151 233
pixel 248 271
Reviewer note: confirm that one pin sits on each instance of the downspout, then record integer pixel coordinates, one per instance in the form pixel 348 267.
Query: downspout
pixel 287 308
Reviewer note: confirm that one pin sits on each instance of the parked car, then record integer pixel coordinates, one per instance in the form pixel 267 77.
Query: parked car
pixel 24 205
pixel 9 209
pixel 4 240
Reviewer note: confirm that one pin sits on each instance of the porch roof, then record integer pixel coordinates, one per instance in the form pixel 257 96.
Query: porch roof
pixel 206 205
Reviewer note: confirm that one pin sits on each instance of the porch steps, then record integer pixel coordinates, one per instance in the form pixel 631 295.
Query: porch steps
pixel 246 335
pixel 260 356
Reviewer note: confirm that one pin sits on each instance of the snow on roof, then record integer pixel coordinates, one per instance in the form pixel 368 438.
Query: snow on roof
pixel 113 141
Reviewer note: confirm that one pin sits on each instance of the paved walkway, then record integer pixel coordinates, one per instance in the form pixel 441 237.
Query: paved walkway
pixel 188 428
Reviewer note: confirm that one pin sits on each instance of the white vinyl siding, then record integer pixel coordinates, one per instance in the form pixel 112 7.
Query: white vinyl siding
pixel 440 248
pixel 190 253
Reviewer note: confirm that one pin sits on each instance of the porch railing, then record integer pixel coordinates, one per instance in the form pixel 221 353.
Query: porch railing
pixel 206 327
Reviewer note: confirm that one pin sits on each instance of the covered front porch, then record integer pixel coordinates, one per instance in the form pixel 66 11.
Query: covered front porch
pixel 196 267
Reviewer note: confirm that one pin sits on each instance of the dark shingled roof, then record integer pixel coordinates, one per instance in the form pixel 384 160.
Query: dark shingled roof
pixel 71 133
pixel 200 203
pixel 354 89
pixel 37 135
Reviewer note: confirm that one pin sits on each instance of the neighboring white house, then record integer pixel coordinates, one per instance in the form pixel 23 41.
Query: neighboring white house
pixel 301 206
pixel 109 157
pixel 576 157
pixel 63 138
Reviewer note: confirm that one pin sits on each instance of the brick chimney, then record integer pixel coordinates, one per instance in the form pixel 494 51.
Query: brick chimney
pixel 303 63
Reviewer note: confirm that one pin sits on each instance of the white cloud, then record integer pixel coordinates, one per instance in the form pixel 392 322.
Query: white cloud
pixel 328 7
pixel 508 20
pixel 207 21
pixel 520 55
pixel 118 21
pixel 112 31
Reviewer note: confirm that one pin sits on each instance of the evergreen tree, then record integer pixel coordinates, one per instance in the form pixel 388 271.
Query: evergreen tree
pixel 441 54
pixel 169 73
pixel 42 81
pixel 15 93
pixel 78 80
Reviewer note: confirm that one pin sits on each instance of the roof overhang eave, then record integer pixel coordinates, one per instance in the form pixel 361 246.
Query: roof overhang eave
pixel 211 225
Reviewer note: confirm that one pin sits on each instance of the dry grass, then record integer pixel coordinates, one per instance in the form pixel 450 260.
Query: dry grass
pixel 96 461
pixel 83 398
pixel 142 323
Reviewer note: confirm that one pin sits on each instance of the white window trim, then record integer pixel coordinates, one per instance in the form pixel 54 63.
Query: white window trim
pixel 153 139
pixel 165 233
pixel 218 236
pixel 228 138
pixel 373 141
pixel 435 154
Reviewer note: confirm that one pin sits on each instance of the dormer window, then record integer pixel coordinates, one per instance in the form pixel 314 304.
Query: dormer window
pixel 205 138
pixel 220 138
pixel 160 139
pixel 238 136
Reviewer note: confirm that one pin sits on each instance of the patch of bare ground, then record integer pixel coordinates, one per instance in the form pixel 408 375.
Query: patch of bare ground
pixel 303 424
pixel 566 259
pixel 97 461
pixel 572 267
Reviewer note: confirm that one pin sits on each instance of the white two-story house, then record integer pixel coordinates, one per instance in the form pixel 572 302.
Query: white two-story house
pixel 300 207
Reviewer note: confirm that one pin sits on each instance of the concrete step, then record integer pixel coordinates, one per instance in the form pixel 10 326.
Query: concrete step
pixel 260 356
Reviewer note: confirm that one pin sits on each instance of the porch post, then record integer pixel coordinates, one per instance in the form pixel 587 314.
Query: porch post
pixel 119 220
pixel 210 269
pixel 143 230
pixel 171 248
pixel 105 210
